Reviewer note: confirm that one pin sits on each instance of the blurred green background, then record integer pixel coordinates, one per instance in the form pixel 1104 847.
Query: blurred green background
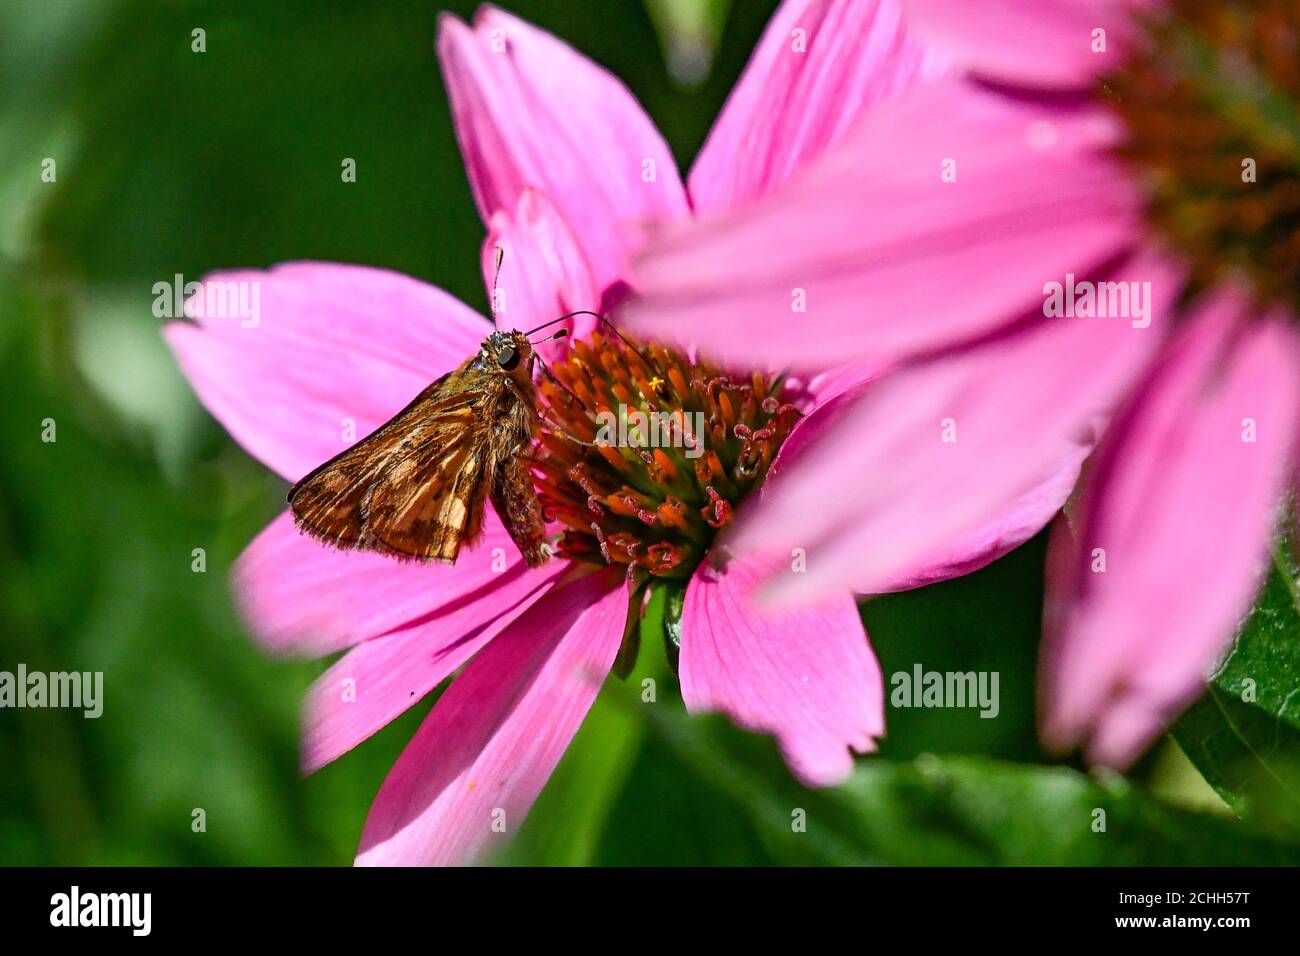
pixel 170 161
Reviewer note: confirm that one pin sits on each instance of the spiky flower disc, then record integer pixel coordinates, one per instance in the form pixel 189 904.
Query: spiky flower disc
pixel 1210 101
pixel 691 442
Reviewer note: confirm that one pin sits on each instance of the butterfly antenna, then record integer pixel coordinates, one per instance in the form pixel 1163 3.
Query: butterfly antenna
pixel 630 344
pixel 561 334
pixel 613 328
pixel 496 274
pixel 547 325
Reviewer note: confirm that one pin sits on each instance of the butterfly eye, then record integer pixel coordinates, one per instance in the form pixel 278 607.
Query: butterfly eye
pixel 507 357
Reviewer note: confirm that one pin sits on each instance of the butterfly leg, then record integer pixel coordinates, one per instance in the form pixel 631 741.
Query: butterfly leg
pixel 560 430
pixel 515 500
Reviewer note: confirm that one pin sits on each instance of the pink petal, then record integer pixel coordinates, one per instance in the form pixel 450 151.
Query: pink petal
pixel 492 740
pixel 1182 507
pixel 376 681
pixel 531 111
pixel 884 256
pixel 819 66
pixel 544 273
pixel 806 676
pixel 1047 43
pixel 1001 532
pixel 301 597
pixel 826 387
pixel 1022 408
pixel 998 534
pixel 337 350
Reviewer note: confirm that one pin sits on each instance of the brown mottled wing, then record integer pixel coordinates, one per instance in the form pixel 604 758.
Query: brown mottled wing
pixel 415 487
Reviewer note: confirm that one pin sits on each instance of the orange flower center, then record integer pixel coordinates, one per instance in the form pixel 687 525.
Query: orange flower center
pixel 648 453
pixel 1211 103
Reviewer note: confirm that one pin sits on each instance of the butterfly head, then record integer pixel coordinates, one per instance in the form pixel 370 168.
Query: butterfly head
pixel 507 352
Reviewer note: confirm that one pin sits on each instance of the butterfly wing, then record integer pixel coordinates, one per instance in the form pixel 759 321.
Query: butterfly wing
pixel 415 487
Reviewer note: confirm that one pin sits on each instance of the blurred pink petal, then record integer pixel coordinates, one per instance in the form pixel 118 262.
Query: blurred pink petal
pixel 819 66
pixel 531 111
pixel 883 255
pixel 492 740
pixel 378 680
pixel 1004 530
pixel 934 453
pixel 337 350
pixel 1181 507
pixel 806 676
pixel 825 388
pixel 998 534
pixel 1048 43
pixel 300 597
pixel 543 271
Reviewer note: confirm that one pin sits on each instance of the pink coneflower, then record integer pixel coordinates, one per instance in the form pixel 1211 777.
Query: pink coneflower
pixel 1150 145
pixel 564 165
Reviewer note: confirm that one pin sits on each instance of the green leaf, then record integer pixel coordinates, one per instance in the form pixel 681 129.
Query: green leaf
pixel 959 810
pixel 1244 734
pixel 986 622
